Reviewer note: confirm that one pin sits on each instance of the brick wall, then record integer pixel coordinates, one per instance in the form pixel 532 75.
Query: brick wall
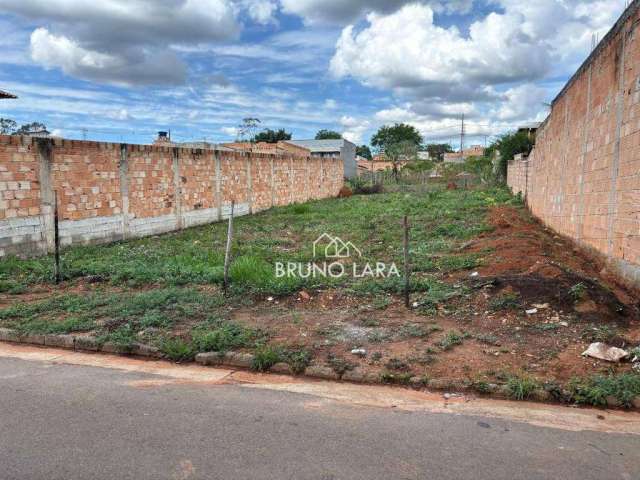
pixel 108 192
pixel 583 177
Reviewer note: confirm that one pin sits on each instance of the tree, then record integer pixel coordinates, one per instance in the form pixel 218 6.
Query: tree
pixel 437 151
pixel 7 126
pixel 328 135
pixel 272 136
pixel 364 151
pixel 397 153
pixel 509 145
pixel 32 128
pixel 248 128
pixel 400 133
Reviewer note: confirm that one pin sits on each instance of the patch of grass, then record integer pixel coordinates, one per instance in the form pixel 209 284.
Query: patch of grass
pixel 547 327
pixel 397 365
pixel 623 387
pixel 521 388
pixel 177 349
pixel 12 287
pixel 600 333
pixel 505 301
pixel 450 340
pixel 578 291
pixel 221 336
pixel 297 358
pixel 339 364
pixel 396 378
pixel 265 357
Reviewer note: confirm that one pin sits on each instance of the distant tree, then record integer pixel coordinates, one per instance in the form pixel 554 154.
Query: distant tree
pixel 272 136
pixel 248 128
pixel 31 128
pixel 7 126
pixel 328 135
pixel 509 145
pixel 401 152
pixel 437 150
pixel 481 167
pixel 364 151
pixel 400 133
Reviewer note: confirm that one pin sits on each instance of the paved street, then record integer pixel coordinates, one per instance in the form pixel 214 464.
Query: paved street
pixel 63 418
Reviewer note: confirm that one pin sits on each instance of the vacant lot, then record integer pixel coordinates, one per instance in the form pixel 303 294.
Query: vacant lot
pixel 479 263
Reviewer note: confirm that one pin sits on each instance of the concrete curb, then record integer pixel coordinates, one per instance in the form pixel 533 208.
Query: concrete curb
pixel 86 343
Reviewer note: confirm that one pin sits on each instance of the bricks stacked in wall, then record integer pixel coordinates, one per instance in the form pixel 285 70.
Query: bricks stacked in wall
pixel 85 175
pixel 151 183
pixel 197 179
pixel 19 184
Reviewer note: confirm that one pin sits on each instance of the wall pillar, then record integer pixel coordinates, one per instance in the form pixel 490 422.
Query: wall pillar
pixel 249 182
pixel 583 159
pixel 273 182
pixel 218 184
pixel 45 158
pixel 177 186
pixel 123 171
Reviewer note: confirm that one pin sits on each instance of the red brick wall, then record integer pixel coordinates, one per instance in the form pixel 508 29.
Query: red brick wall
pixel 584 173
pixel 98 183
pixel 19 185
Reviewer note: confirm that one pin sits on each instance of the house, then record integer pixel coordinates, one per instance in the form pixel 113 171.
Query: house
pixel 461 157
pixel 339 148
pixel 378 164
pixel 531 129
pixel 282 147
pixel 4 94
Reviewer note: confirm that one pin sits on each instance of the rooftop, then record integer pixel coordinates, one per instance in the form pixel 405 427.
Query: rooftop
pixel 321 145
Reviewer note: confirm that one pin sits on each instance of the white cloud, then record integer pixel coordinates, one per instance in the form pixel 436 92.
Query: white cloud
pixel 261 11
pixel 230 131
pixel 341 11
pixel 122 41
pixel 441 72
pixel 53 51
pixel 354 128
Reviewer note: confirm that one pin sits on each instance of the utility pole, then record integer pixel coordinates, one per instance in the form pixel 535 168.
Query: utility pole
pixel 462 139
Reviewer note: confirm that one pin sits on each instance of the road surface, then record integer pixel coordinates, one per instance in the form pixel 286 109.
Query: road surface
pixel 66 415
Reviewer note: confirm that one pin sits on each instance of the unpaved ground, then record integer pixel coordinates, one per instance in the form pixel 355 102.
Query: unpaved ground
pixel 523 263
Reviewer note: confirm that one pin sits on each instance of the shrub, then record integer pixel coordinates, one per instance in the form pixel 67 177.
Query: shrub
pixel 264 358
pixel 177 350
pixel 624 388
pixel 521 388
pixel 450 340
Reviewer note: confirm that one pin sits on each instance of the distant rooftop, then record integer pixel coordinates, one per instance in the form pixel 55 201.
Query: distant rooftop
pixel 315 146
pixel 4 94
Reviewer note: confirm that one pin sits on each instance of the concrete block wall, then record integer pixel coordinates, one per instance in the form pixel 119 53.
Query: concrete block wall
pixel 583 177
pixel 107 192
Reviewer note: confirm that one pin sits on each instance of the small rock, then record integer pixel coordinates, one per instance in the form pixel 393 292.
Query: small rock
pixel 475 274
pixel 541 306
pixel 415 304
pixel 304 295
pixel 144 350
pixel 564 324
pixel 359 352
pixel 270 299
pixel 86 343
pixel 234 359
pixel 60 341
pixel 360 375
pixel 532 311
pixel 318 371
pixel 602 351
pixel 209 358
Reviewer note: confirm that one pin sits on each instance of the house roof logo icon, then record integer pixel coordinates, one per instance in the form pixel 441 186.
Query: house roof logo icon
pixel 334 247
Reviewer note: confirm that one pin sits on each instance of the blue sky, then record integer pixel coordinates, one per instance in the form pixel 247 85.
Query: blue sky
pixel 120 70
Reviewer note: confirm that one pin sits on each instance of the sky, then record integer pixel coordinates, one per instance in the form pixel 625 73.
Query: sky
pixel 121 70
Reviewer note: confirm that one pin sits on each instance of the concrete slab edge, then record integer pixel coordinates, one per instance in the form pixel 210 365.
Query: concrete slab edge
pixel 86 343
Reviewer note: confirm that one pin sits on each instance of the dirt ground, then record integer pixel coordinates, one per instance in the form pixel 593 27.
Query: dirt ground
pixel 525 268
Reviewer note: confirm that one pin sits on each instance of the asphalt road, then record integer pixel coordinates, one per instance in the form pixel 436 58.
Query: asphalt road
pixel 65 421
